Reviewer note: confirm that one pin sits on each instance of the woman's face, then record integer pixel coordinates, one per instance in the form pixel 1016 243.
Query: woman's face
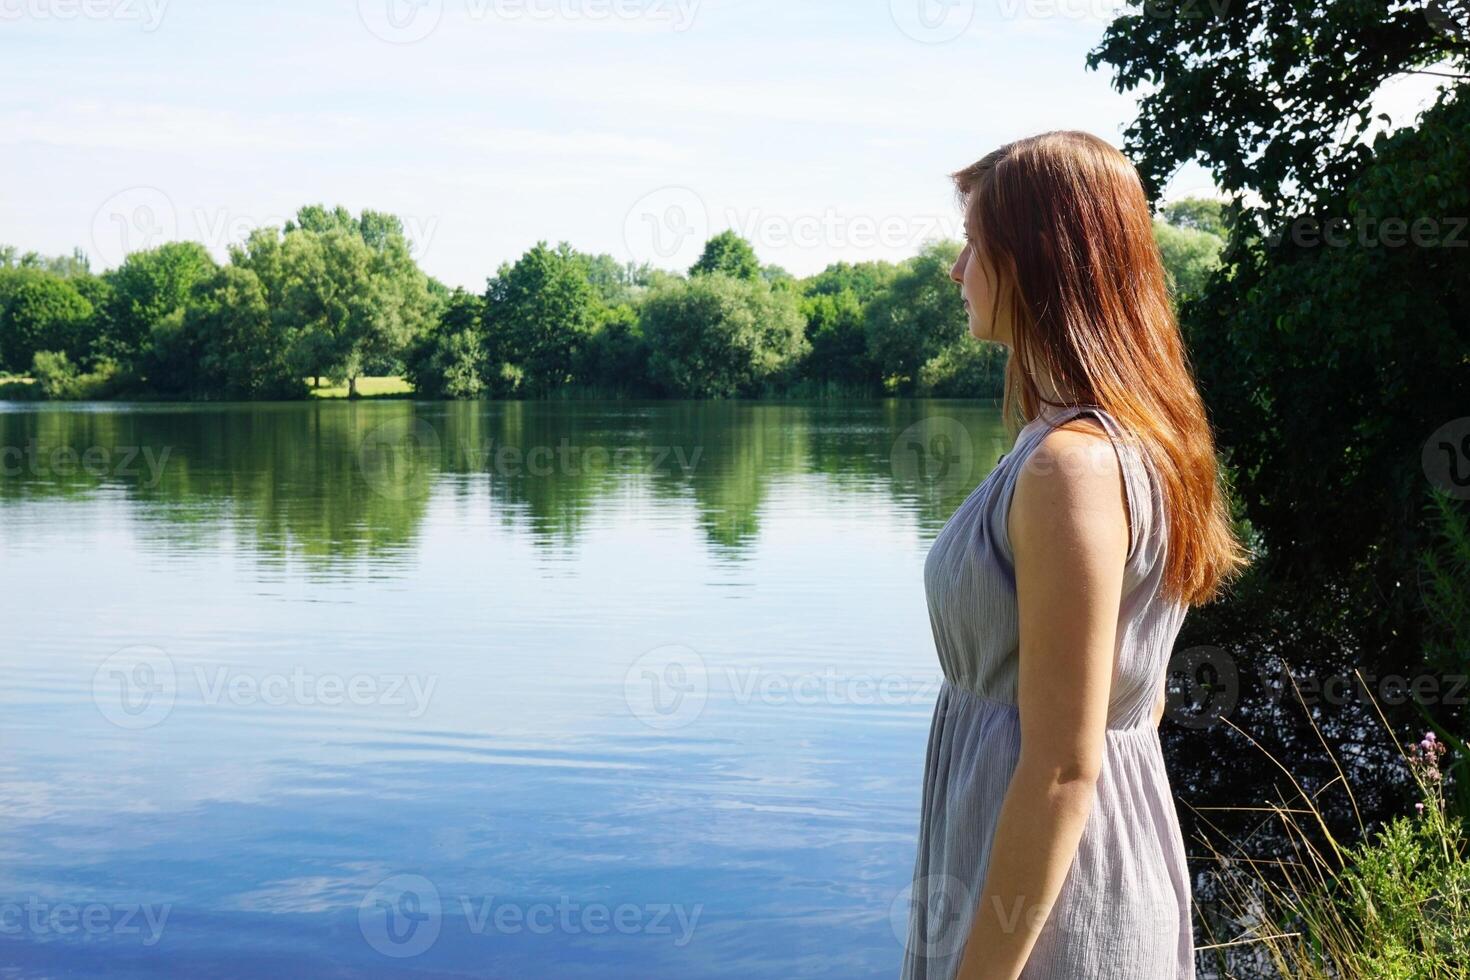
pixel 978 286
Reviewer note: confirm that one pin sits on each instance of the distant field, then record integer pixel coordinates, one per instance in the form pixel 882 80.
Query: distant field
pixel 368 388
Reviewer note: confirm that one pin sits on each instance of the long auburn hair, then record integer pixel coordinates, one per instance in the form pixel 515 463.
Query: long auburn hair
pixel 1062 219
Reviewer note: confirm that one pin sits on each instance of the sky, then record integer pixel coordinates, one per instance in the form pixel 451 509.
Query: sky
pixel 821 130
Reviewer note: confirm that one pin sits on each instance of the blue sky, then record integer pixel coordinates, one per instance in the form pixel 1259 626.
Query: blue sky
pixel 820 129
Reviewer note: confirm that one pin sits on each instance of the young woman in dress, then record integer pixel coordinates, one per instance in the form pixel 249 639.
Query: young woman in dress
pixel 1049 847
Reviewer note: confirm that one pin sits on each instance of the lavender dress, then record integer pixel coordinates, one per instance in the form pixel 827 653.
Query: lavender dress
pixel 1124 909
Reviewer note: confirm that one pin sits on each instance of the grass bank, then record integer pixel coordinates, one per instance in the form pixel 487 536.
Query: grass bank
pixel 387 387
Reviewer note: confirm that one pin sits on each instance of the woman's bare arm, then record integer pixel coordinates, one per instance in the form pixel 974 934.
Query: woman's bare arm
pixel 1068 527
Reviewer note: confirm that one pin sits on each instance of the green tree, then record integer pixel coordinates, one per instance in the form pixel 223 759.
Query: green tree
pixel 1330 347
pixel 347 304
pixel 917 317
pixel 539 313
pixel 61 380
pixel 729 254
pixel 241 350
pixel 1198 214
pixel 835 305
pixel 66 266
pixel 150 287
pixel 615 360
pixel 319 219
pixel 836 333
pixel 1374 325
pixel 451 360
pixel 1190 256
pixel 778 278
pixel 616 282
pixel 718 336
pixel 39 311
pixel 865 280
pixel 966 368
pixel 1246 89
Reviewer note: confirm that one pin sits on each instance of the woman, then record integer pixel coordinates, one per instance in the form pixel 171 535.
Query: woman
pixel 1049 847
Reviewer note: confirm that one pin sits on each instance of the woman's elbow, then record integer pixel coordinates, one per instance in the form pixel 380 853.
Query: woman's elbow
pixel 1069 773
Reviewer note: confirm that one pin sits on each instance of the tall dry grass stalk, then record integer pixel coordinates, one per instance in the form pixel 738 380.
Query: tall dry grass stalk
pixel 1393 905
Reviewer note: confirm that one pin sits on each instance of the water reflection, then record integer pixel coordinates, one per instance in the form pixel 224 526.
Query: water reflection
pixel 335 480
pixel 320 680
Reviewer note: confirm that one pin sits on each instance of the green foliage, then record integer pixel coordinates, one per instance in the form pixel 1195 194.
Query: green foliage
pixel 1199 214
pixel 1445 572
pixel 452 361
pixel 836 331
pixel 345 291
pixel 1393 903
pixel 149 287
pixel 539 313
pixel 1405 898
pixel 335 297
pixel 729 254
pixel 1329 367
pixel 1191 235
pixel 718 336
pixel 616 282
pixel 458 367
pixel 1190 257
pixel 39 311
pixel 965 369
pixel 378 231
pixel 616 357
pixel 1326 365
pixel 917 317
pixel 778 278
pixel 865 280
pixel 240 349
pixel 1251 90
pixel 60 380
pixel 71 266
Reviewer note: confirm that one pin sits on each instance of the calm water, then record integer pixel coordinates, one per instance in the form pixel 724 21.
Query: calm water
pixel 383 689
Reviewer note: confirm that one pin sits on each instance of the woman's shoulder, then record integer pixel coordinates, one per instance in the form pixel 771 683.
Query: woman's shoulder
pixel 1071 466
pixel 1081 470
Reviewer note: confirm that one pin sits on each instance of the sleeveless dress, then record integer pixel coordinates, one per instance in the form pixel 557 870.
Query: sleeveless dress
pixel 1124 910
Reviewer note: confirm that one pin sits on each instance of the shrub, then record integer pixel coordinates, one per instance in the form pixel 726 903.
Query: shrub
pixel 59 379
pixel 1394 906
pixel 714 336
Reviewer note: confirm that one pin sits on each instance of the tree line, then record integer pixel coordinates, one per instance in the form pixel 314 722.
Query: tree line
pixel 336 297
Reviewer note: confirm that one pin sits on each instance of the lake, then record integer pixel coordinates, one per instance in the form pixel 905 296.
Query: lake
pixel 512 689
